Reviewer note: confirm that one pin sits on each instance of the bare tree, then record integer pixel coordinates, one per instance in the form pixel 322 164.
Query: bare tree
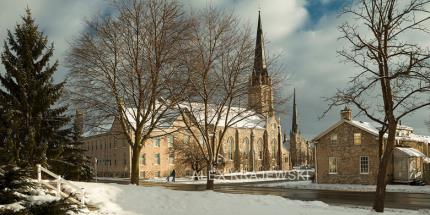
pixel 394 80
pixel 187 153
pixel 219 66
pixel 218 75
pixel 126 67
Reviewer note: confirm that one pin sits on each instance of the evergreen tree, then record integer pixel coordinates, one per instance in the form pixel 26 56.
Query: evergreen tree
pixel 78 165
pixel 28 96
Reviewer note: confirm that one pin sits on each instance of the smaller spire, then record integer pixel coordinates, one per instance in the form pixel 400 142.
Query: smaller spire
pixel 294 126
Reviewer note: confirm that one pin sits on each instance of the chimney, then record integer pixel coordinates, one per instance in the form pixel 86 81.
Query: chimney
pixel 346 114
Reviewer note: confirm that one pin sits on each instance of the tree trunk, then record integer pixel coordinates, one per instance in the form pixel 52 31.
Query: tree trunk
pixel 134 177
pixel 209 178
pixel 381 183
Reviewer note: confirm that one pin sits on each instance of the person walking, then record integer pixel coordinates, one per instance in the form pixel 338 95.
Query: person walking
pixel 173 175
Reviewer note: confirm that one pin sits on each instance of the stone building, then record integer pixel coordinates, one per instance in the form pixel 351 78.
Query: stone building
pixel 347 152
pixel 301 152
pixel 250 138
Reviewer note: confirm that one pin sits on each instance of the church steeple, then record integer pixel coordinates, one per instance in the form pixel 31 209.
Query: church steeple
pixel 259 74
pixel 260 97
pixel 260 57
pixel 294 126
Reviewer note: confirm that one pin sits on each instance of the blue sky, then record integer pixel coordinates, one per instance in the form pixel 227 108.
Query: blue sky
pixel 304 32
pixel 317 9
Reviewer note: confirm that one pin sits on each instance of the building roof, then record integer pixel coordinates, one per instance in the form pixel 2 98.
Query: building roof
pixel 410 152
pixel 359 124
pixel 236 118
pixel 368 127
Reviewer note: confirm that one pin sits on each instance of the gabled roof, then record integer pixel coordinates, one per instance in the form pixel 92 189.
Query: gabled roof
pixel 359 124
pixel 410 152
pixel 368 127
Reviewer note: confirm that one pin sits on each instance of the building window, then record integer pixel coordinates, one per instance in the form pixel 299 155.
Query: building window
pixel 332 165
pixel 333 139
pixel 273 148
pixel 171 159
pixel 170 141
pixel 157 159
pixel 157 141
pixel 260 149
pixel 364 165
pixel 246 147
pixel 157 174
pixel 142 174
pixel 357 138
pixel 230 149
pixel 142 159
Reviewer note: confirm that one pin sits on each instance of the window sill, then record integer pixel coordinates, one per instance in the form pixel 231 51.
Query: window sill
pixel 332 173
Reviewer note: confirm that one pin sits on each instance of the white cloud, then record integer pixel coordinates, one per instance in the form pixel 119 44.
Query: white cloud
pixel 310 57
pixel 60 20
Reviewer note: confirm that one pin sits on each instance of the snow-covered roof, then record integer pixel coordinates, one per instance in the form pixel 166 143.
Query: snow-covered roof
pixel 101 128
pixel 411 152
pixel 415 138
pixel 235 117
pixel 366 126
pixel 362 125
pixel 404 127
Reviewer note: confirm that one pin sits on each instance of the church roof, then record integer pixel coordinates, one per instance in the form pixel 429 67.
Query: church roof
pixel 237 118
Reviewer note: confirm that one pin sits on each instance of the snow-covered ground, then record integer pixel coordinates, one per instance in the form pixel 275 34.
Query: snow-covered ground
pixel 113 199
pixel 347 187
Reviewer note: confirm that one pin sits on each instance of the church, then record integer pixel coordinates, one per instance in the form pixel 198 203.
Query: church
pixel 301 150
pixel 111 153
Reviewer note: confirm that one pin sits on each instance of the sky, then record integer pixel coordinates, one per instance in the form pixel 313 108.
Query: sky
pixel 303 32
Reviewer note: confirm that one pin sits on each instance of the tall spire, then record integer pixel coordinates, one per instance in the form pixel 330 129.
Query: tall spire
pixel 260 57
pixel 294 126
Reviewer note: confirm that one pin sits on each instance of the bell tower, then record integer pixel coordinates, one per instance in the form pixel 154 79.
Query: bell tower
pixel 260 94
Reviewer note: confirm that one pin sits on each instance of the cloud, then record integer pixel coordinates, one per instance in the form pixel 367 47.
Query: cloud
pixel 60 20
pixel 309 44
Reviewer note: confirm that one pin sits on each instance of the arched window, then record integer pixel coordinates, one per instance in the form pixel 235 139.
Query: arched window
pixel 246 148
pixel 260 148
pixel 230 148
pixel 274 148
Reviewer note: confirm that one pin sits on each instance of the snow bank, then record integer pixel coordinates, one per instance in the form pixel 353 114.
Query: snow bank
pixel 113 199
pixel 346 187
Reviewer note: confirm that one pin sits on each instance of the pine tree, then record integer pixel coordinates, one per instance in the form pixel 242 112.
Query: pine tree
pixel 29 96
pixel 78 165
